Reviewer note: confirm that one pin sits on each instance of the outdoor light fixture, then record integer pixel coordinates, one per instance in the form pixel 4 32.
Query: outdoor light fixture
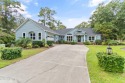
pixel 109 50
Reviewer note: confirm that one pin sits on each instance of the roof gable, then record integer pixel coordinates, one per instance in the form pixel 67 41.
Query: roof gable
pixel 38 25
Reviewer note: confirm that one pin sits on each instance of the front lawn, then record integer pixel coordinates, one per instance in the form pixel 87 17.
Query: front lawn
pixel 97 75
pixel 25 54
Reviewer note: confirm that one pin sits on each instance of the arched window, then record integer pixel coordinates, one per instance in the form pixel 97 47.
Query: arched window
pixel 32 35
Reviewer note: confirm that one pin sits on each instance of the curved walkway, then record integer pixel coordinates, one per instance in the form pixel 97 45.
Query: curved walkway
pixel 60 64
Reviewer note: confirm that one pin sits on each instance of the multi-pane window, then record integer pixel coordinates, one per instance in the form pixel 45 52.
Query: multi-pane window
pixel 24 35
pixel 32 35
pixel 69 38
pixel 91 38
pixel 39 36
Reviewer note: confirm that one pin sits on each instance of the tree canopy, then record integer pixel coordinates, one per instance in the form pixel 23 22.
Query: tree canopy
pixel 109 20
pixel 83 25
pixel 8 8
pixel 47 18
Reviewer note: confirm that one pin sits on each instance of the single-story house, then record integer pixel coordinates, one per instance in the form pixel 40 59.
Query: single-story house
pixel 37 31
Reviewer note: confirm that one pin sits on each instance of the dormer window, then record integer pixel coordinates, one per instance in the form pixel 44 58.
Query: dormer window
pixel 79 31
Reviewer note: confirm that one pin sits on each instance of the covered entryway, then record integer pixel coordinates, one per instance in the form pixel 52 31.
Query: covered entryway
pixel 79 38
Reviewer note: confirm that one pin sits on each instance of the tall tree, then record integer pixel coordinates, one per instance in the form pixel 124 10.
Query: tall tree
pixel 108 19
pixel 60 25
pixel 46 15
pixel 47 18
pixel 7 10
pixel 83 25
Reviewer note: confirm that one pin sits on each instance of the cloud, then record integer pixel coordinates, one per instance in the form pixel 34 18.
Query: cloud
pixel 26 1
pixel 72 22
pixel 36 4
pixel 93 11
pixel 93 3
pixel 24 12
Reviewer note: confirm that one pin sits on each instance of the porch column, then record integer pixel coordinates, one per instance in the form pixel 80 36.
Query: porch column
pixel 84 38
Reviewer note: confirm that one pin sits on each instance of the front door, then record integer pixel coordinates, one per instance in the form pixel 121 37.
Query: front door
pixel 79 38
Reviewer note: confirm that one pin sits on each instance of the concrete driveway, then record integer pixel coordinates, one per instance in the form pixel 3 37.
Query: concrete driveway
pixel 60 64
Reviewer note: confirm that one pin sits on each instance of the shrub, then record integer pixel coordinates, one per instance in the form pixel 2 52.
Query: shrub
pixel 113 42
pixel 6 38
pixel 50 43
pixel 44 42
pixel 104 43
pixel 111 63
pixel 23 42
pixel 10 53
pixel 61 41
pixel 1 42
pixel 29 46
pixel 37 44
pixel 87 43
pixel 73 43
pixel 46 45
pixel 98 42
pixel 121 43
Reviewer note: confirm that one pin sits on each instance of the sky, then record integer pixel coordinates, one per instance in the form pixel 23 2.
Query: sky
pixel 69 12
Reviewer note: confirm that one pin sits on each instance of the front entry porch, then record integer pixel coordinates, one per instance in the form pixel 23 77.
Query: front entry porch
pixel 80 38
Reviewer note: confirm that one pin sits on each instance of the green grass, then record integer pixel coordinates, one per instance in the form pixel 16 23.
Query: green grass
pixel 97 75
pixel 25 54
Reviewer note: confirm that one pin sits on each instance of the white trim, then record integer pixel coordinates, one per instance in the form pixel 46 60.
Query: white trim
pixel 38 35
pixel 22 34
pixel 22 24
pixel 84 38
pixel 91 38
pixel 32 35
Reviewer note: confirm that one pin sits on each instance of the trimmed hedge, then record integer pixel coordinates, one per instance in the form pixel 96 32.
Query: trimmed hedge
pixel 11 53
pixel 37 44
pixel 61 41
pixel 50 43
pixel 73 43
pixel 98 42
pixel 111 63
pixel 87 43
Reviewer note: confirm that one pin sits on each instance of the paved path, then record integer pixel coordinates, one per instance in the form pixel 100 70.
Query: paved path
pixel 60 64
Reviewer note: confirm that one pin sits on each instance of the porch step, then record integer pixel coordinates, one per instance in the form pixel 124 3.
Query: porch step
pixel 79 43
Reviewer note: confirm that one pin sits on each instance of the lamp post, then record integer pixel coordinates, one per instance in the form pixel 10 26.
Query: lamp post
pixel 109 50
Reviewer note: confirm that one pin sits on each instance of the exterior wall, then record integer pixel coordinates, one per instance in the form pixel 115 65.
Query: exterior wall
pixel 50 36
pixel 71 32
pixel 31 26
pixel 98 37
pixel 28 27
pixel 75 38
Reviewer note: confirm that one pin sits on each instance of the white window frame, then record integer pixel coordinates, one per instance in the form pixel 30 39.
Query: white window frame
pixel 69 38
pixel 39 36
pixel 91 38
pixel 32 37
pixel 23 35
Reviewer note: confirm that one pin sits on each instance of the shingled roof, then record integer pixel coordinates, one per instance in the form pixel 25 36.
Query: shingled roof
pixel 89 31
pixel 63 31
pixel 45 28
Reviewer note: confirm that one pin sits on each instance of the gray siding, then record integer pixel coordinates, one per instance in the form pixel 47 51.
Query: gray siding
pixel 28 27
